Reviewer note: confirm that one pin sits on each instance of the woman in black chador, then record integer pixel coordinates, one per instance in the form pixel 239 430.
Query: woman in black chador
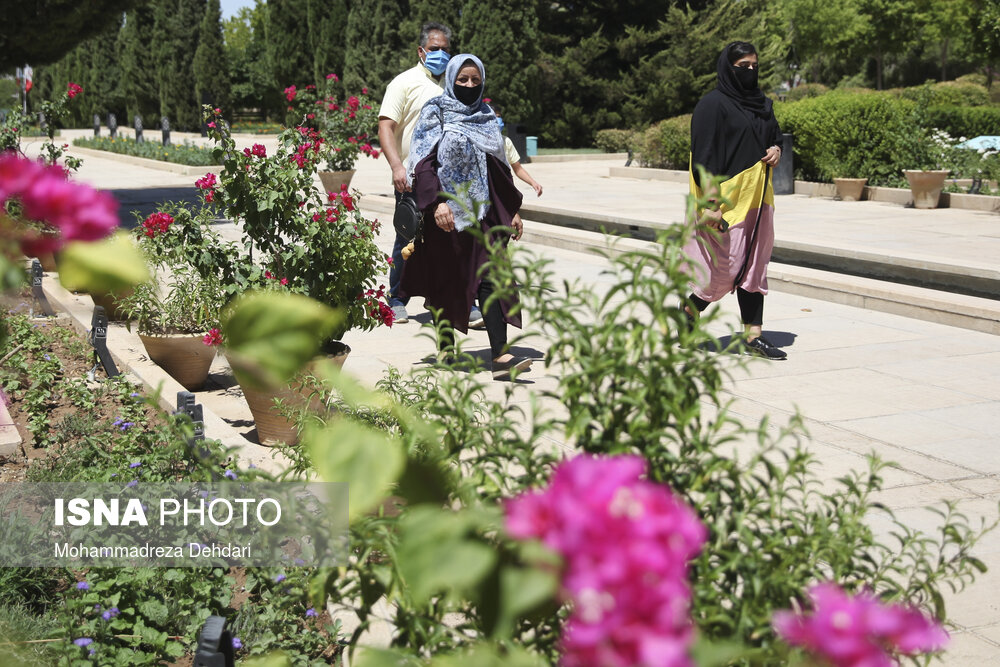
pixel 734 134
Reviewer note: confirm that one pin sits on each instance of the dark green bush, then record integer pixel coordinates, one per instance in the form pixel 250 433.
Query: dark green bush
pixel 615 141
pixel 667 144
pixel 869 135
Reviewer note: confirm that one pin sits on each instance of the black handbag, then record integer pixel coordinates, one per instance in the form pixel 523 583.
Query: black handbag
pixel 407 218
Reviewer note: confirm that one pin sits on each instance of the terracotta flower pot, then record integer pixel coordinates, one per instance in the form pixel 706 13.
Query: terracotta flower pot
pixel 272 426
pixel 850 189
pixel 48 261
pixel 184 356
pixel 333 180
pixel 926 186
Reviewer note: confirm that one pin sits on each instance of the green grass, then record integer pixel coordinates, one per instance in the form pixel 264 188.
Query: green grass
pixel 20 624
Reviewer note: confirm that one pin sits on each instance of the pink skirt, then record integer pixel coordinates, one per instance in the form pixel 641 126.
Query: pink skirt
pixel 717 260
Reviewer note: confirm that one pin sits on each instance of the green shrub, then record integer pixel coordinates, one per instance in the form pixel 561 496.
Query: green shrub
pixel 615 141
pixel 186 153
pixel 667 144
pixel 806 90
pixel 870 135
pixel 963 121
pixel 946 93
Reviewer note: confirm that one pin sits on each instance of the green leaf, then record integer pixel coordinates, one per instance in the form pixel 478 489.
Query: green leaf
pixel 715 653
pixel 112 264
pixel 485 655
pixel 369 461
pixel 522 590
pixel 276 659
pixel 154 611
pixel 371 657
pixel 269 336
pixel 438 551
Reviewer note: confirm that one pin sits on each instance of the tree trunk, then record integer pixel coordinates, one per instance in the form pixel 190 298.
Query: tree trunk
pixel 944 59
pixel 878 70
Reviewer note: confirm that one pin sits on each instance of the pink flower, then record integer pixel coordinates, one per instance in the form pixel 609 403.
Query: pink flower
pixel 259 150
pixel 207 182
pixel 284 281
pixel 858 631
pixel 217 111
pixel 73 211
pixel 290 93
pixel 156 223
pixel 626 544
pixel 213 337
pixel 333 76
pixel 210 196
pixel 211 124
pixel 354 103
pixel 73 90
pixel 364 91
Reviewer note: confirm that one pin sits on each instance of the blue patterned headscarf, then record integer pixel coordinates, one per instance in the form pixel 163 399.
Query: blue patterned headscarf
pixel 464 135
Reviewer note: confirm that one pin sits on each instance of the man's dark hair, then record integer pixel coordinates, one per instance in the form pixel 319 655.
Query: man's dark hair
pixel 433 26
pixel 737 50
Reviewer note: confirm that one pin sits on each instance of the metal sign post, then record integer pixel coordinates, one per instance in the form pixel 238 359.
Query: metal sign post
pixel 36 288
pixel 99 339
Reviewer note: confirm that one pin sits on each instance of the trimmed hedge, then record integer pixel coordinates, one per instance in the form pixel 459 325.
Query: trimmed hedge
pixel 667 144
pixel 947 93
pixel 873 135
pixel 185 153
pixel 615 141
pixel 964 121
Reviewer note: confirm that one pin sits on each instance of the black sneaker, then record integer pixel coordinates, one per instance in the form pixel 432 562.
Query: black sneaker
pixel 501 371
pixel 760 347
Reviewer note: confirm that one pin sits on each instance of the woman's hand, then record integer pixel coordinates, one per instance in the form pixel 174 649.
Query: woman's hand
pixel 518 227
pixel 537 187
pixel 444 217
pixel 772 157
pixel 713 219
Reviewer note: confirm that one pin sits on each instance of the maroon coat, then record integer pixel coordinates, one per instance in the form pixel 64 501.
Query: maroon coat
pixel 444 265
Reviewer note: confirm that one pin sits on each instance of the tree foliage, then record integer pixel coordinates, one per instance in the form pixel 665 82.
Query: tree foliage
pixel 210 66
pixel 376 49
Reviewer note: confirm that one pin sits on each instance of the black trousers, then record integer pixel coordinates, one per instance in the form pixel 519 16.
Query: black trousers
pixel 496 327
pixel 751 306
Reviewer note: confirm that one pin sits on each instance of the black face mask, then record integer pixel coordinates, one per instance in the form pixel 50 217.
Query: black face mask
pixel 468 96
pixel 747 77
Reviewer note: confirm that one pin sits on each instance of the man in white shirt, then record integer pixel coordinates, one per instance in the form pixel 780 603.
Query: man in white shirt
pixel 404 98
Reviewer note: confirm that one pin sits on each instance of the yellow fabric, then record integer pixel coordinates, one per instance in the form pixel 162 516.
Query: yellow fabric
pixel 742 193
pixel 404 97
pixel 511 152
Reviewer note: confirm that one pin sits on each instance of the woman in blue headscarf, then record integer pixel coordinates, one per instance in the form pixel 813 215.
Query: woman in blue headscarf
pixel 457 149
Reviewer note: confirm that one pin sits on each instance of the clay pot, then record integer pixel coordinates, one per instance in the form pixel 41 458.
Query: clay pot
pixel 272 426
pixel 48 262
pixel 926 186
pixel 333 180
pixel 850 189
pixel 184 356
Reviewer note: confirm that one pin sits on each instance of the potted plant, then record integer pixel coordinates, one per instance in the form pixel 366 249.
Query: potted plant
pixel 176 311
pixel 293 237
pixel 343 122
pixel 926 181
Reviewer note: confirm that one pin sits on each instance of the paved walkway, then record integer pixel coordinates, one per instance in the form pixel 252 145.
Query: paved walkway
pixel 924 395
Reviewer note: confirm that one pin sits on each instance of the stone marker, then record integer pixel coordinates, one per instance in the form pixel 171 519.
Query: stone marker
pixel 97 125
pixel 137 122
pixel 112 125
pixel 165 129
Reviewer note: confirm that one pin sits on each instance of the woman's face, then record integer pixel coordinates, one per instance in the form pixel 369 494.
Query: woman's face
pixel 748 61
pixel 468 77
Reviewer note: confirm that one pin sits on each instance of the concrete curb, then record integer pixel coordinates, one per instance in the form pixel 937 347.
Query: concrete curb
pixel 901 196
pixel 129 356
pixel 580 157
pixel 182 169
pixel 932 305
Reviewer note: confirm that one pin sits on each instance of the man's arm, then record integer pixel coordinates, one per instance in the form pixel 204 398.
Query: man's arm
pixel 387 140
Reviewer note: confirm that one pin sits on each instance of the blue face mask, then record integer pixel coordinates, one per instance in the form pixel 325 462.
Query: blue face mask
pixel 500 122
pixel 436 61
